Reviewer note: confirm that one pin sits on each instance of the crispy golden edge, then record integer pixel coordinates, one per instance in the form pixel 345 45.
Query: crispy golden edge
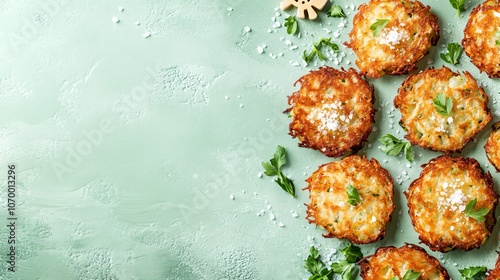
pixel 303 129
pixel 475 52
pixel 474 171
pixel 402 66
pixel 494 274
pixel 492 146
pixel 366 266
pixel 440 73
pixel 376 170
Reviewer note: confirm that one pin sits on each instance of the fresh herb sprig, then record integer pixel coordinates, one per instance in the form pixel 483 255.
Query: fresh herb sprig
pixel 273 168
pixel 378 25
pixel 346 268
pixel 458 5
pixel 473 272
pixel 291 25
pixel 352 195
pixel 453 53
pixel 443 104
pixel 316 267
pixel 409 275
pixel 392 146
pixel 316 49
pixel 335 11
pixel 476 214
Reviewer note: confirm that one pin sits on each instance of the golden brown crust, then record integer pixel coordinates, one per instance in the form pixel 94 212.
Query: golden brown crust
pixel 406 38
pixel 429 129
pixel 329 208
pixel 494 274
pixel 438 198
pixel 492 146
pixel 388 262
pixel 481 40
pixel 332 112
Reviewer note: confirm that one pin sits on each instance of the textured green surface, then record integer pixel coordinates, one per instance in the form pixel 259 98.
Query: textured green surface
pixel 129 149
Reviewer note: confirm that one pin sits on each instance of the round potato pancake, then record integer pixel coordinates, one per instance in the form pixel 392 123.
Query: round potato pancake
pixel 440 201
pixel 390 36
pixel 481 40
pixel 429 121
pixel 389 262
pixel 494 274
pixel 332 112
pixel 332 207
pixel 492 146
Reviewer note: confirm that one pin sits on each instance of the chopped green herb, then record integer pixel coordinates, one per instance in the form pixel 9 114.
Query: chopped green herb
pixel 291 25
pixel 443 104
pixel 393 147
pixel 378 25
pixel 316 49
pixel 497 42
pixel 409 275
pixel 476 214
pixel 335 11
pixel 273 168
pixel 458 5
pixel 453 53
pixel 353 195
pixel 473 272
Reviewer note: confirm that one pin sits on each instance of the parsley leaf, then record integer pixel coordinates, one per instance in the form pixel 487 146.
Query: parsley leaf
pixel 458 5
pixel 476 214
pixel 473 272
pixel 346 267
pixel 352 253
pixel 316 267
pixel 316 49
pixel 453 53
pixel 273 168
pixel 443 104
pixel 411 275
pixel 291 25
pixel 378 25
pixel 335 11
pixel 393 147
pixel 353 195
pixel 497 42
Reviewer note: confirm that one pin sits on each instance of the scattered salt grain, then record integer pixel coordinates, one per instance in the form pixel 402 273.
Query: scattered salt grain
pixel 231 197
pixel 260 49
pixel 259 175
pixel 294 214
pixel 115 19
pixel 247 29
pixel 121 9
pixel 146 34
pixel 281 224
pixel 272 217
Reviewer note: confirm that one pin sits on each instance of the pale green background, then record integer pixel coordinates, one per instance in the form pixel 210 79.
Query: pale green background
pixel 128 149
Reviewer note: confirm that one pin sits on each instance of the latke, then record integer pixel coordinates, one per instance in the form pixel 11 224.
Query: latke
pixel 492 146
pixel 438 199
pixel 481 40
pixel 421 118
pixel 390 36
pixel 332 112
pixel 388 262
pixel 362 222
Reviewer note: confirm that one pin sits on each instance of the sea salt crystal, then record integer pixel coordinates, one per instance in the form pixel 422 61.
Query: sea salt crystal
pixel 146 34
pixel 115 19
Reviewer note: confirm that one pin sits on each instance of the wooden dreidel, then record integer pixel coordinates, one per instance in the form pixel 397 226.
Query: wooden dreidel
pixel 304 5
